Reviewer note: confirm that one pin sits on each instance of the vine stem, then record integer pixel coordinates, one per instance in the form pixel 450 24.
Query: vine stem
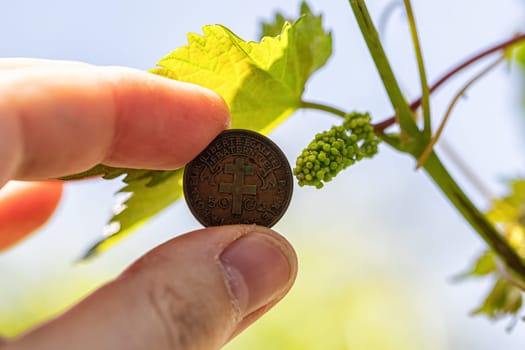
pixel 425 93
pixel 404 115
pixel 476 219
pixel 323 107
pixel 414 142
pixel 381 126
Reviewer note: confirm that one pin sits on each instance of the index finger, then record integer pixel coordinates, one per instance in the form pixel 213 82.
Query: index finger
pixel 56 121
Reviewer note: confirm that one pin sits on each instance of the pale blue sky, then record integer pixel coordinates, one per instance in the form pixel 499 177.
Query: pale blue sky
pixel 381 204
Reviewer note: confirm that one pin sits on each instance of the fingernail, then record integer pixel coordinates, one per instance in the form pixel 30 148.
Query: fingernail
pixel 256 270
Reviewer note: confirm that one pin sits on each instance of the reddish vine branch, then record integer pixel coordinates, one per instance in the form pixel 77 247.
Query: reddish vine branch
pixel 381 126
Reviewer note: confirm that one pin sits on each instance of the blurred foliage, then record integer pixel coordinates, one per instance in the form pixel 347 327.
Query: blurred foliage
pixel 508 214
pixel 510 209
pixel 503 299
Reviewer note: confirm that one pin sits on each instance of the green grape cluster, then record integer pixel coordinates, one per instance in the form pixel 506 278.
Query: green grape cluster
pixel 336 149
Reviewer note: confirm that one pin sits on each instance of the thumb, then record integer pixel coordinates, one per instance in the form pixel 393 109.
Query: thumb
pixel 196 291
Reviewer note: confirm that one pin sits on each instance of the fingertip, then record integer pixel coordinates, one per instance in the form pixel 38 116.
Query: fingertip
pixel 25 207
pixel 217 104
pixel 161 122
pixel 210 100
pixel 259 267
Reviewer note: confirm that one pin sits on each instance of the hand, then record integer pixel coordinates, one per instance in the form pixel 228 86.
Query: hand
pixel 196 291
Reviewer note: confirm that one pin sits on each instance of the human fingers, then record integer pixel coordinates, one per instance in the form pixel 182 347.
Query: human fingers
pixel 24 207
pixel 193 292
pixel 59 121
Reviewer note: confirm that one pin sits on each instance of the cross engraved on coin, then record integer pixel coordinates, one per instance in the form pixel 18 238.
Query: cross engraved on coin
pixel 242 177
pixel 238 188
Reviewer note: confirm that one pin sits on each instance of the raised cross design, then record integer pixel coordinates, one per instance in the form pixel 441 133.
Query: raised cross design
pixel 238 188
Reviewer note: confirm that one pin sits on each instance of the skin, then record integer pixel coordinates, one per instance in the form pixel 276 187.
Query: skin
pixel 196 291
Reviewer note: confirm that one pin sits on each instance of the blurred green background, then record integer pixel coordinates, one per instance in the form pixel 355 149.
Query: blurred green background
pixel 377 247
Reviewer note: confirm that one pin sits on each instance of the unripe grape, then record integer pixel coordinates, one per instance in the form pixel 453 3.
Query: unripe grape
pixel 336 149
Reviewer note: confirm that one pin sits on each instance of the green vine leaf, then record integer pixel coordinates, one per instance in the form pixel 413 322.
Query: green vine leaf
pixel 151 192
pixel 153 177
pixel 274 28
pixel 262 83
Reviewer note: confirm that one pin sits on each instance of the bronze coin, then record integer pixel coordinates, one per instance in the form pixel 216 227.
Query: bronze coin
pixel 242 177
